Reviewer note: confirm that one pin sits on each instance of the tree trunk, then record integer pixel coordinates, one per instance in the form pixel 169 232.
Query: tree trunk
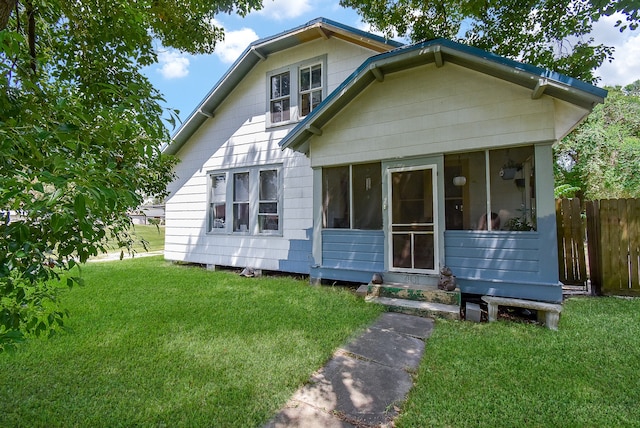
pixel 6 7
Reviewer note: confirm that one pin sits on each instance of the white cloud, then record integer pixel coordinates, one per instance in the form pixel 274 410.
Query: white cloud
pixel 625 68
pixel 173 64
pixel 284 9
pixel 235 42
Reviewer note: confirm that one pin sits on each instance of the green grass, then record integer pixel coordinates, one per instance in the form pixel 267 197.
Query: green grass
pixel 155 344
pixel 508 374
pixel 154 236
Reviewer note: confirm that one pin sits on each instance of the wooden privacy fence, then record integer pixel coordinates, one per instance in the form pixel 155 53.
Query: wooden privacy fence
pixel 613 230
pixel 571 242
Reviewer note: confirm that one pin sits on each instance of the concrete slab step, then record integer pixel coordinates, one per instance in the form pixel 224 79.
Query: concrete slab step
pixel 414 307
pixel 424 293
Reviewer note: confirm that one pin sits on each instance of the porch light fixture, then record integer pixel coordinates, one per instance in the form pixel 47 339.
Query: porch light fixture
pixel 459 181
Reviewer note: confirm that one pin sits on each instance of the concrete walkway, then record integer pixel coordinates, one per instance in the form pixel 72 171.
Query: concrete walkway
pixel 365 381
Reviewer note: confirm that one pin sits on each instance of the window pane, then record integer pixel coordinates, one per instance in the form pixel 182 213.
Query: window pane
pixel 275 87
pixel 465 204
pixel 269 185
pixel 268 208
pixel 218 216
pixel 316 76
pixel 241 187
pixel 335 197
pixel 268 223
pixel 280 85
pixel 241 217
pixel 305 104
pixel 218 188
pixel 512 188
pixel 367 196
pixel 280 110
pixel 316 99
pixel 305 79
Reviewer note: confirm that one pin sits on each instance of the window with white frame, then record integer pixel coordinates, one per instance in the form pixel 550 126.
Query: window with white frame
pixel 268 208
pixel 218 202
pixel 254 202
pixel 241 202
pixel 295 91
pixel 310 88
pixel 280 98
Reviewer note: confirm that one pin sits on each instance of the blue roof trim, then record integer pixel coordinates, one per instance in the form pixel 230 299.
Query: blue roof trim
pixel 480 54
pixel 532 69
pixel 322 20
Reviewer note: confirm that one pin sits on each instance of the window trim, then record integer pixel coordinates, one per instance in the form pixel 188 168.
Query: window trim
pixel 254 200
pixel 294 89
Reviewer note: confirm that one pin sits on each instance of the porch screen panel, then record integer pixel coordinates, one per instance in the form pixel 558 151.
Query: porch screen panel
pixel 466 204
pixel 367 196
pixel 335 198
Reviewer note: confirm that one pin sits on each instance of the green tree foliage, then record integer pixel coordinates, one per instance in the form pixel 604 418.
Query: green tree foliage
pixel 600 159
pixel 549 33
pixel 80 135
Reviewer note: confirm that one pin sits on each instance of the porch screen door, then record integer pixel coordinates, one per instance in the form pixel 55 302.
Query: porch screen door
pixel 412 222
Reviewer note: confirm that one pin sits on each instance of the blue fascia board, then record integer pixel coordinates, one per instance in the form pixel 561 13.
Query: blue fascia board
pixel 295 138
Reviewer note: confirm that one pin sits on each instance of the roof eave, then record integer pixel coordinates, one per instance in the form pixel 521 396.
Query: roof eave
pixel 440 51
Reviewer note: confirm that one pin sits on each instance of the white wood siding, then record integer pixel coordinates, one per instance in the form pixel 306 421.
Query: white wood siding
pixel 237 137
pixel 430 110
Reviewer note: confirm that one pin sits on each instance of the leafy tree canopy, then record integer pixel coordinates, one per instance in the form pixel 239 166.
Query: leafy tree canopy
pixel 600 159
pixel 80 135
pixel 547 33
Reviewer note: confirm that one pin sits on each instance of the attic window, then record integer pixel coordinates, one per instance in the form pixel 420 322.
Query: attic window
pixel 295 91
pixel 310 88
pixel 280 97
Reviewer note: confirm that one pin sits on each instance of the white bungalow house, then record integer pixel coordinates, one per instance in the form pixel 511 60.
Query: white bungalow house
pixel 331 152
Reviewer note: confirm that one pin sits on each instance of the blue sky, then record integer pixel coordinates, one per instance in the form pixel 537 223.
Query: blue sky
pixel 185 79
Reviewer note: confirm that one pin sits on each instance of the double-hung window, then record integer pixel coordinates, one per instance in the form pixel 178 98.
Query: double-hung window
pixel 280 97
pixel 252 196
pixel 310 88
pixel 295 91
pixel 241 202
pixel 218 202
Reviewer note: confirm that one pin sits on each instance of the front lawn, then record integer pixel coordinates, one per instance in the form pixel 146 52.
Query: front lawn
pixel 155 344
pixel 507 374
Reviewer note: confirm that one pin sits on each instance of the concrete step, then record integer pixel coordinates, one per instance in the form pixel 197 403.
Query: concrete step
pixel 414 307
pixel 423 293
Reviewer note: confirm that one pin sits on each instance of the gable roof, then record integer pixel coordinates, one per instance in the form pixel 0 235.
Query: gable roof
pixel 539 80
pixel 259 51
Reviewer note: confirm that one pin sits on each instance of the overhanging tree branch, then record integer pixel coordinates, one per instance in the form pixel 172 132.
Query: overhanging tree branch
pixel 6 6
